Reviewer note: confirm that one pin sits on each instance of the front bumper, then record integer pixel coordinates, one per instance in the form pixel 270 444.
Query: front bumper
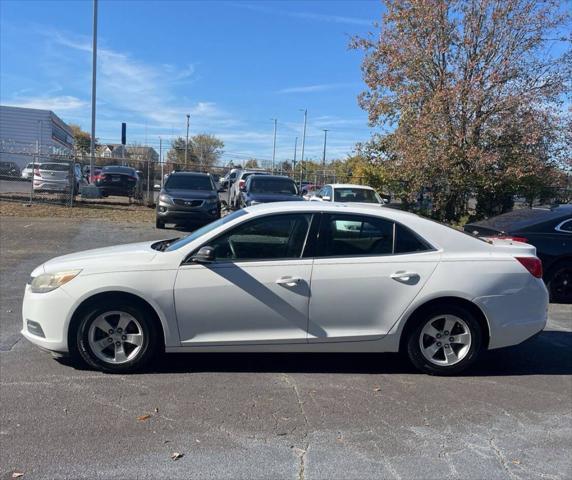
pixel 49 311
pixel 516 317
pixel 173 213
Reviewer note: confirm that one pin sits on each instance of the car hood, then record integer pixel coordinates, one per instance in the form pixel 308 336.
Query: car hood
pixel 191 194
pixel 99 260
pixel 272 197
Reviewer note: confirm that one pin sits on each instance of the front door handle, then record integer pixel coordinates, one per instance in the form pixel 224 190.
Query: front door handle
pixel 288 281
pixel 404 276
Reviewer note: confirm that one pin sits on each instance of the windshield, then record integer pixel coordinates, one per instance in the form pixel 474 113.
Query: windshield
pixel 273 185
pixel 189 182
pixel 204 230
pixel 361 195
pixel 115 169
pixel 55 167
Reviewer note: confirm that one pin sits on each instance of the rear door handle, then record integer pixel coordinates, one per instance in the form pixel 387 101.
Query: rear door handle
pixel 404 276
pixel 288 281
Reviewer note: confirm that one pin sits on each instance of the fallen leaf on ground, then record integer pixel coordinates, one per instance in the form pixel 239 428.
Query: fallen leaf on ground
pixel 156 410
pixel 376 389
pixel 17 474
pixel 142 418
pixel 176 455
pixel 516 462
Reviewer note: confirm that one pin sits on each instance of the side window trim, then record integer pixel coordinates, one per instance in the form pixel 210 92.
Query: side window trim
pixel 187 260
pixel 559 228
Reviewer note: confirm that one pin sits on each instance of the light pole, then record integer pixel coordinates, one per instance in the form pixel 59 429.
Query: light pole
pixel 161 160
pixel 187 143
pixel 93 92
pixel 274 145
pixel 303 143
pixel 324 156
pixel 294 161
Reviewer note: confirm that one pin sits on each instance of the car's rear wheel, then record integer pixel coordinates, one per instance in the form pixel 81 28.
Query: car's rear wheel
pixel 117 338
pixel 159 223
pixel 445 341
pixel 559 282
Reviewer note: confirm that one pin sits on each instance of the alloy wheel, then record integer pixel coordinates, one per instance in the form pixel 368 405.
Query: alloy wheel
pixel 445 340
pixel 115 337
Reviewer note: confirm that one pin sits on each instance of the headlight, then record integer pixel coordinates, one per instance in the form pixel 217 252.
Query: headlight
pixel 46 282
pixel 165 198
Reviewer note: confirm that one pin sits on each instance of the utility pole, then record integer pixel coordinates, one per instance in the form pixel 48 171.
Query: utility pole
pixel 294 161
pixel 187 143
pixel 274 144
pixel 324 157
pixel 93 92
pixel 324 154
pixel 303 143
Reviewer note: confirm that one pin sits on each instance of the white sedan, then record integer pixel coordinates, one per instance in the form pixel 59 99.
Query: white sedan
pixel 292 277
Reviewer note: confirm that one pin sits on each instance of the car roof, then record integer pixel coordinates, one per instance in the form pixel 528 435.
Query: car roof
pixel 190 174
pixel 271 177
pixel 522 218
pixel 348 185
pixel 338 207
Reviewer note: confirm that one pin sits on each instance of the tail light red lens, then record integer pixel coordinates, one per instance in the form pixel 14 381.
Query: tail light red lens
pixel 532 264
pixel 515 239
pixel 241 184
pixel 37 171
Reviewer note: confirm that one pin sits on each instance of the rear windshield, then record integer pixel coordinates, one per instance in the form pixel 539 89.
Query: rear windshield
pixel 118 169
pixel 361 195
pixel 272 185
pixel 55 167
pixel 189 182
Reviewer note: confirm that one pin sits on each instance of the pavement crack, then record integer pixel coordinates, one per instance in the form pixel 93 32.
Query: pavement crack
pixel 300 452
pixel 502 459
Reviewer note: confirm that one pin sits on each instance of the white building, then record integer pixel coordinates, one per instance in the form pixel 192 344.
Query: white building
pixel 25 132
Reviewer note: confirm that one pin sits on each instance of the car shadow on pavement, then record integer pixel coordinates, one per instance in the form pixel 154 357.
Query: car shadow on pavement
pixel 549 353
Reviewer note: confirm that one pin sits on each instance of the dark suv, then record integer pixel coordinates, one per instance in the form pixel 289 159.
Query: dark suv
pixel 188 197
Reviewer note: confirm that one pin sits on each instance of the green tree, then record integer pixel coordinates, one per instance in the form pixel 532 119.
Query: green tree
pixel 207 149
pixel 251 163
pixel 81 140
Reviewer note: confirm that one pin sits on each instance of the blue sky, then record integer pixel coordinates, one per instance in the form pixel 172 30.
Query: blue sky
pixel 232 65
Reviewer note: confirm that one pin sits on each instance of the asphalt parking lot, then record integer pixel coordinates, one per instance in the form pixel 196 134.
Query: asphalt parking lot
pixel 270 416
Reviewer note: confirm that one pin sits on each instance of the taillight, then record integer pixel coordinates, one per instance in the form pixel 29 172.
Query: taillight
pixel 515 239
pixel 241 184
pixel 532 264
pixel 37 171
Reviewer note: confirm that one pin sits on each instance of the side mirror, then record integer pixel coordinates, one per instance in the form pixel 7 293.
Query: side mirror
pixel 204 255
pixel 326 198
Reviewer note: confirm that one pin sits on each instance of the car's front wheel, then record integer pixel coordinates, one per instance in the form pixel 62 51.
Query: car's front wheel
pixel 117 337
pixel 445 340
pixel 159 223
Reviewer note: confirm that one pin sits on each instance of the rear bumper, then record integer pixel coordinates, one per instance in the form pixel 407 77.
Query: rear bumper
pixel 119 191
pixel 47 186
pixel 515 317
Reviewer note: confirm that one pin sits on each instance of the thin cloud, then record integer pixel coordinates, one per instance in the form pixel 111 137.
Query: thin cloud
pixel 321 87
pixel 318 17
pixel 59 103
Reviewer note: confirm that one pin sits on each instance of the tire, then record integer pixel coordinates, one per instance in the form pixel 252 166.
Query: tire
pixel 130 331
pixel 438 357
pixel 559 282
pixel 159 223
